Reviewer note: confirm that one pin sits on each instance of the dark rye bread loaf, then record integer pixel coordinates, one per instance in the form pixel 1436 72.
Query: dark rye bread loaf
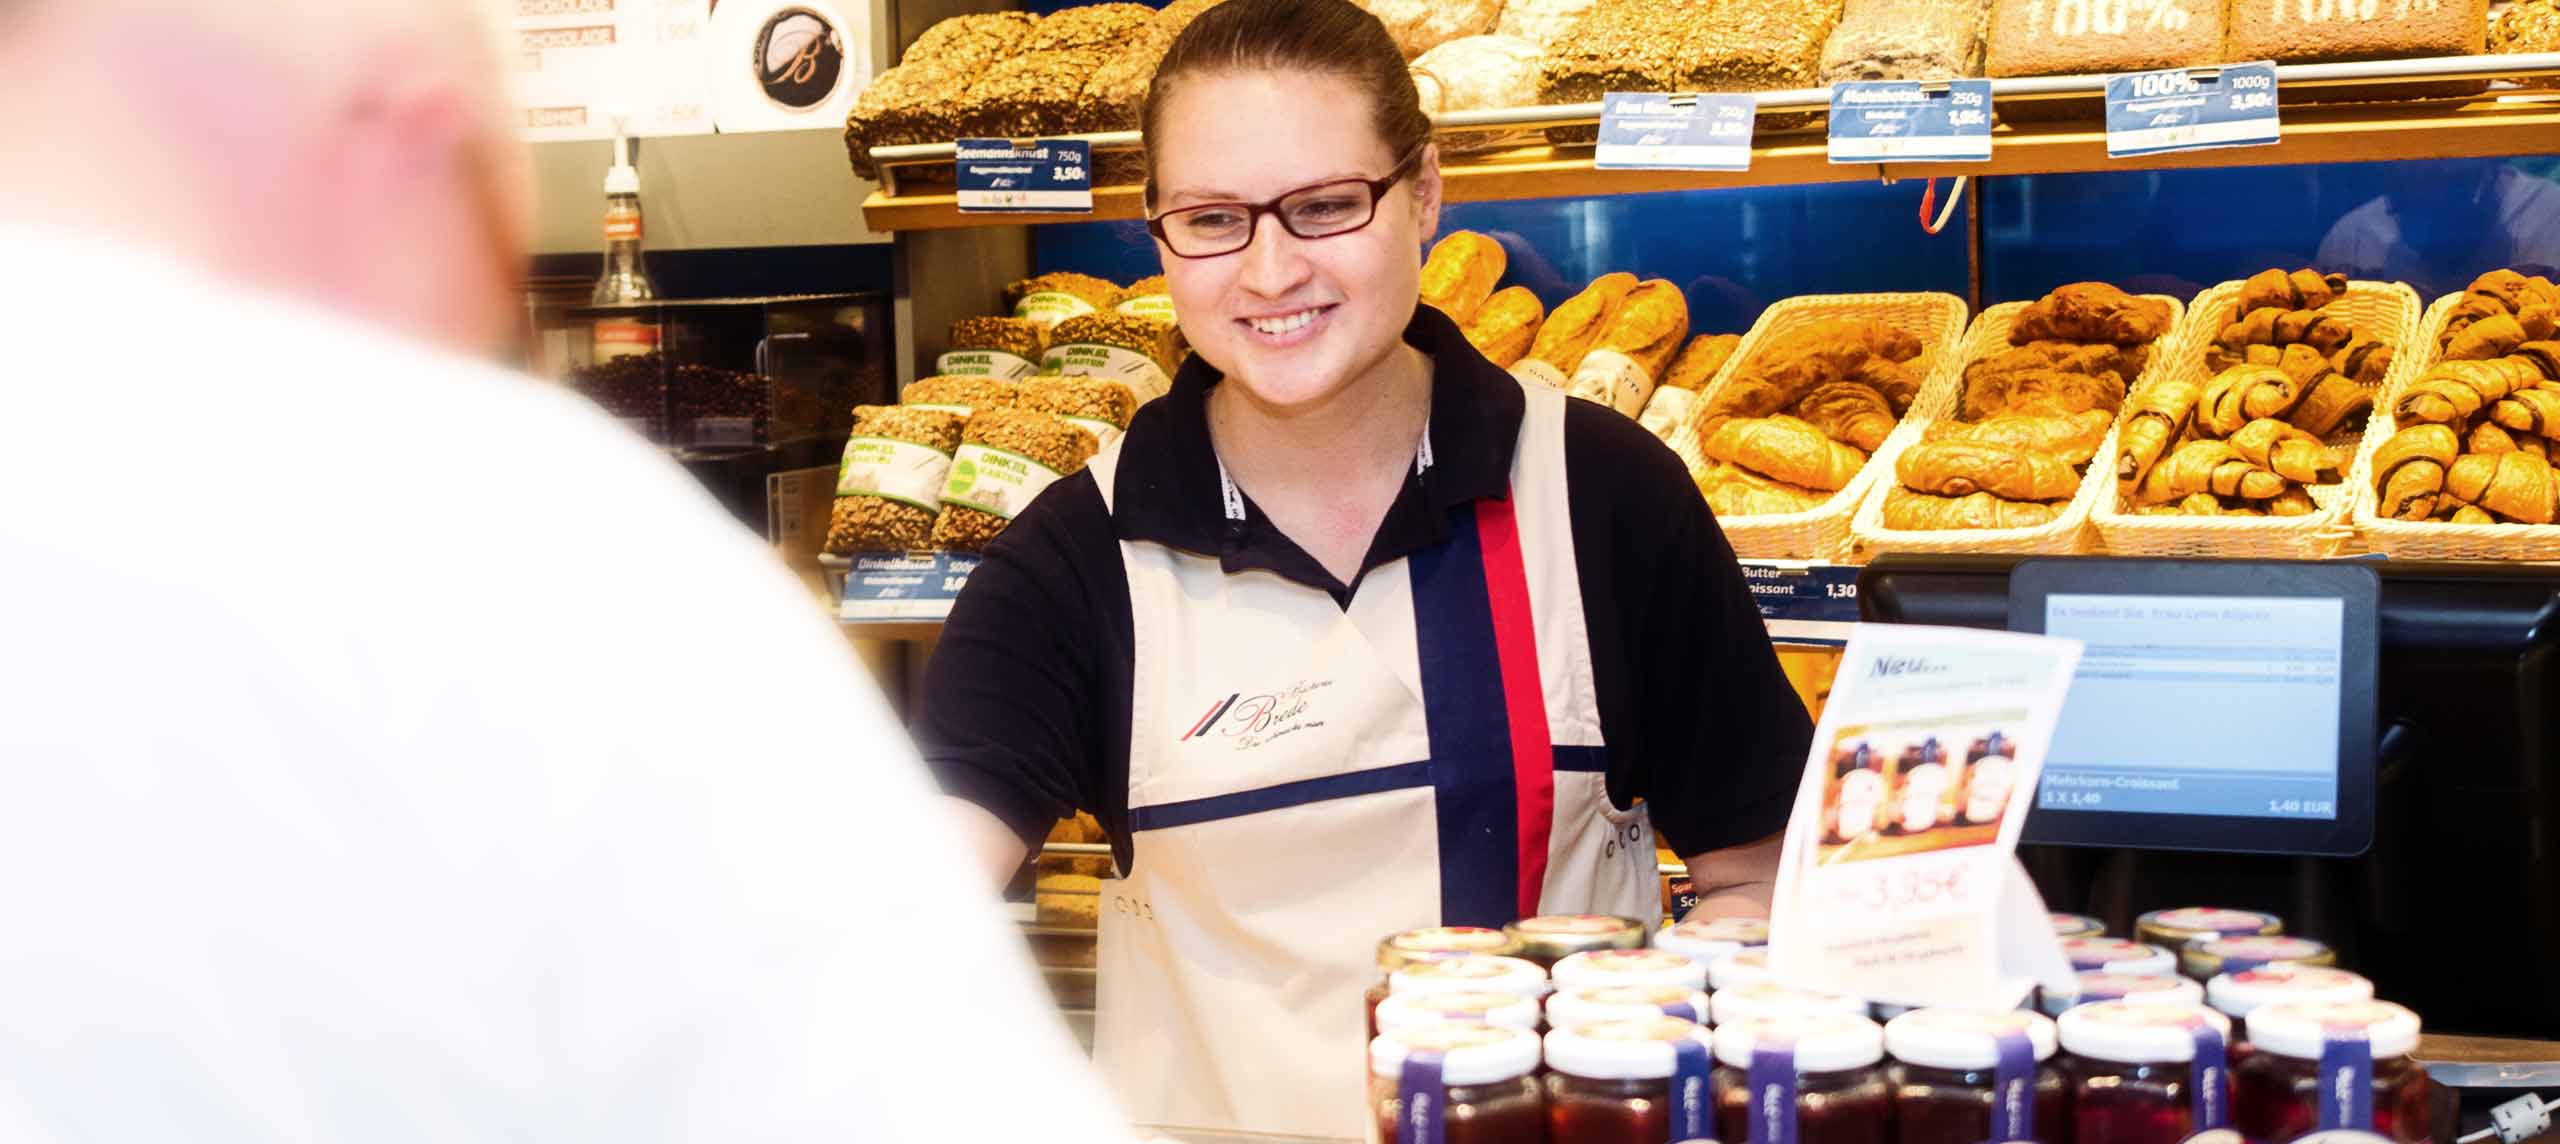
pixel 2069 37
pixel 1760 45
pixel 2314 31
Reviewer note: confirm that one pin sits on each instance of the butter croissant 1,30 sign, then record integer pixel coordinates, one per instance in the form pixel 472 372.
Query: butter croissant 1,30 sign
pixel 2191 109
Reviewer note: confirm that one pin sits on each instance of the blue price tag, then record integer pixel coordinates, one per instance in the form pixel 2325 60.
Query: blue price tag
pixel 1905 121
pixel 904 585
pixel 1050 176
pixel 1675 132
pixel 2191 109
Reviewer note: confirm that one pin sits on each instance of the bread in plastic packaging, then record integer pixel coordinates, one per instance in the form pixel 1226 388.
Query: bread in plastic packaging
pixel 962 395
pixel 1007 348
pixel 1906 40
pixel 1134 351
pixel 1056 296
pixel 889 486
pixel 1006 458
pixel 1099 407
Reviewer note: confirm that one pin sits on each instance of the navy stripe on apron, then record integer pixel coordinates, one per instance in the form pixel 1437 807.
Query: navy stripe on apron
pixel 1589 760
pixel 1465 714
pixel 1192 812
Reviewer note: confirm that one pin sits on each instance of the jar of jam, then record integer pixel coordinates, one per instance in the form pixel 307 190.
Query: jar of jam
pixel 1709 942
pixel 1592 1004
pixel 1466 1007
pixel 1396 951
pixel 1554 937
pixel 2326 1066
pixel 2078 925
pixel 1770 999
pixel 2173 929
pixel 1457 1084
pixel 1643 1081
pixel 2146 1074
pixel 1808 1078
pixel 2112 955
pixel 2236 995
pixel 1744 968
pixel 1630 967
pixel 1470 972
pixel 2141 989
pixel 2207 958
pixel 1967 1077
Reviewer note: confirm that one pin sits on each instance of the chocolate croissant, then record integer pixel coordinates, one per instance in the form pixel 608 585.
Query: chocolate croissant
pixel 2512 485
pixel 2488 338
pixel 2154 418
pixel 2364 359
pixel 2455 391
pixel 2535 411
pixel 2409 470
pixel 2208 467
pixel 2288 452
pixel 1783 448
pixel 2298 290
pixel 2242 394
pixel 1908 511
pixel 1962 468
pixel 1461 272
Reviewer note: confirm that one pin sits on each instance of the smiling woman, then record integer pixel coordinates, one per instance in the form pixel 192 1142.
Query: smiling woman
pixel 1351 633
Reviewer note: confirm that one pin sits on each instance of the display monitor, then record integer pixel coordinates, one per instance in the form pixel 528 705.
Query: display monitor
pixel 2219 705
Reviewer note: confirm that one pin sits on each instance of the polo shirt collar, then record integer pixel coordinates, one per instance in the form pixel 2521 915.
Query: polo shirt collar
pixel 1168 488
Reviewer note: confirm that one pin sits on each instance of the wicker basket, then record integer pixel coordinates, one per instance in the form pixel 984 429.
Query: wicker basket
pixel 1822 533
pixel 2065 535
pixel 2428 539
pixel 2387 310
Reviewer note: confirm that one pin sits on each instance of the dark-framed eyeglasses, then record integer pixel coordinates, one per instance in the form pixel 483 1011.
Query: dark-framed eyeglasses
pixel 1319 210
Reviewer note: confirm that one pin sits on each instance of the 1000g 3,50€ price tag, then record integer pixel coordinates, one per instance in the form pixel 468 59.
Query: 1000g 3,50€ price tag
pixel 1052 176
pixel 2191 109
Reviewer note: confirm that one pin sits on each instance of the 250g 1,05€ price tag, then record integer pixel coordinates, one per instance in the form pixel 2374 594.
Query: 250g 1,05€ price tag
pixel 1911 122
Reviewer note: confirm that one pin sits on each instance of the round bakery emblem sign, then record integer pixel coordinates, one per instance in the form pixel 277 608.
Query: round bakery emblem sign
pixel 799 58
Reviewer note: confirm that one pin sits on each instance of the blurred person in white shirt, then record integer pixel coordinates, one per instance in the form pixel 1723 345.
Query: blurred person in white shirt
pixel 391 749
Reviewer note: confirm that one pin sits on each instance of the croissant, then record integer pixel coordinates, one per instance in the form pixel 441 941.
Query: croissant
pixel 2299 290
pixel 2242 394
pixel 1460 273
pixel 2543 356
pixel 1699 361
pixel 2208 467
pixel 2366 359
pixel 2156 416
pixel 1735 491
pixel 2091 312
pixel 1905 510
pixel 2540 321
pixel 1784 448
pixel 2470 310
pixel 1832 349
pixel 2052 392
pixel 2072 439
pixel 2295 501
pixel 2535 411
pixel 2333 400
pixel 2409 470
pixel 2454 391
pixel 1962 468
pixel 2513 291
pixel 2489 437
pixel 1505 325
pixel 2511 485
pixel 2272 327
pixel 2460 513
pixel 1849 411
pixel 1891 378
pixel 1569 332
pixel 2487 338
pixel 1987 381
pixel 2288 452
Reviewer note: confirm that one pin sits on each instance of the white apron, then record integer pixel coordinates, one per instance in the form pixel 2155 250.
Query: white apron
pixel 1305 779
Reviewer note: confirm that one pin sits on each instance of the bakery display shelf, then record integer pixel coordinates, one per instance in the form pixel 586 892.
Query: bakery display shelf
pixel 2398 109
pixel 2490 1062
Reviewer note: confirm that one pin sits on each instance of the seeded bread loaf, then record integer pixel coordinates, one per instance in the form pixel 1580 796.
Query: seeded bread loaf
pixel 1619 45
pixel 2071 37
pixel 1757 45
pixel 2321 31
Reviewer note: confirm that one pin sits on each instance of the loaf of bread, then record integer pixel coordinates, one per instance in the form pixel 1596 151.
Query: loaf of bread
pixel 1421 25
pixel 1905 39
pixel 1699 361
pixel 1114 95
pixel 1461 272
pixel 1619 45
pixel 2315 31
pixel 2072 37
pixel 1506 325
pixel 2527 26
pixel 1570 331
pixel 1632 349
pixel 1541 22
pixel 1476 72
pixel 1757 45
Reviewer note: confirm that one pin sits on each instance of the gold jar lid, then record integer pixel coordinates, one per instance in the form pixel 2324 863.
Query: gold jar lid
pixel 1551 938
pixel 2173 929
pixel 1396 951
pixel 2206 958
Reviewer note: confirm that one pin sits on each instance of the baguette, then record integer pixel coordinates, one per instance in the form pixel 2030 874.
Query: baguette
pixel 1505 325
pixel 1699 361
pixel 1461 272
pixel 1570 331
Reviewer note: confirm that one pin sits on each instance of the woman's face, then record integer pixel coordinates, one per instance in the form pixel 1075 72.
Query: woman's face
pixel 1295 321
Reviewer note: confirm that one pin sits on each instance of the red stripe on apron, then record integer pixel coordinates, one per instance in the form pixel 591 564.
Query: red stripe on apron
pixel 1515 637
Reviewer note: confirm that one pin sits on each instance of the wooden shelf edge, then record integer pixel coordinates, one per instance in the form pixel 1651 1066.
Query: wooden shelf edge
pixel 2351 133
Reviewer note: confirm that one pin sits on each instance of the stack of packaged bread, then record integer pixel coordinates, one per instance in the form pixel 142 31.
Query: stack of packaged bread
pixel 1620 342
pixel 1789 428
pixel 2289 376
pixel 2031 417
pixel 2473 434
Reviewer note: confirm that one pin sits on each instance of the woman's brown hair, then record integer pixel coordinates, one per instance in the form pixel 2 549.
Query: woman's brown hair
pixel 1326 37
